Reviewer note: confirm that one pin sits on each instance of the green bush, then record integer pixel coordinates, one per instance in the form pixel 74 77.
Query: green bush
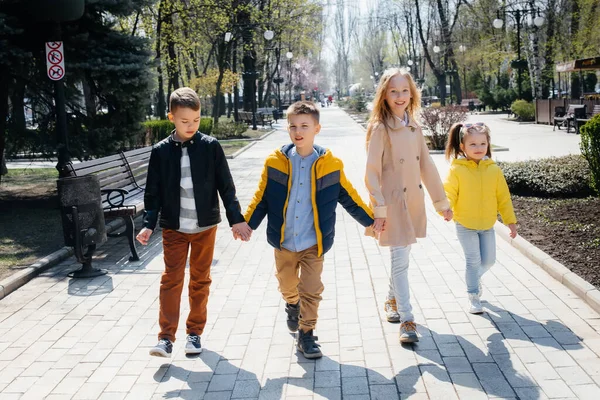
pixel 206 125
pixel 357 102
pixel 157 130
pixel 590 149
pixel 567 176
pixel 228 129
pixel 524 110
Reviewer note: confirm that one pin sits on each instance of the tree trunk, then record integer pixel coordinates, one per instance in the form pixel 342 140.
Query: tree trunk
pixel 217 99
pixel 89 98
pixel 4 82
pixel 161 101
pixel 548 70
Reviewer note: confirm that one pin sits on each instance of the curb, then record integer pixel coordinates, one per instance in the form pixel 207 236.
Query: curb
pixel 20 278
pixel 582 288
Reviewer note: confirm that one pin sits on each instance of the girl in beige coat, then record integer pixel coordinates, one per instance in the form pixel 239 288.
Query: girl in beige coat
pixel 398 164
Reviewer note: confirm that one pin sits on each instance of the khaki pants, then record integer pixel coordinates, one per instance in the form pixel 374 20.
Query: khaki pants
pixel 175 248
pixel 299 276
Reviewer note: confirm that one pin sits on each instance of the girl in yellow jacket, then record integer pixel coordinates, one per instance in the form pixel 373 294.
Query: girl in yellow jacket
pixel 477 191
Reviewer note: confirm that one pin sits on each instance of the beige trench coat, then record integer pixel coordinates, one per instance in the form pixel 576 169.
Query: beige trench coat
pixel 398 164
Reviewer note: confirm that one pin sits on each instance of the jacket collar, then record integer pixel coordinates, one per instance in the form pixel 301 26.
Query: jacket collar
pixel 395 123
pixel 286 150
pixel 176 143
pixel 470 163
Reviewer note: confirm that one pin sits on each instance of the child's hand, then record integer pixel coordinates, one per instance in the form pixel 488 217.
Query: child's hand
pixel 144 236
pixel 448 214
pixel 242 231
pixel 379 225
pixel 513 230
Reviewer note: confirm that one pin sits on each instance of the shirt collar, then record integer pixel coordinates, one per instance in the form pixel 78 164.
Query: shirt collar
pixel 185 144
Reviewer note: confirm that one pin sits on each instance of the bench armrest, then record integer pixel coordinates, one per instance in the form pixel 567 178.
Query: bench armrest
pixel 120 198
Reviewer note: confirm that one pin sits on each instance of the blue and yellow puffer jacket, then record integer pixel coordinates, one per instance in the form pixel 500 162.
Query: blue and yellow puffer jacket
pixel 328 186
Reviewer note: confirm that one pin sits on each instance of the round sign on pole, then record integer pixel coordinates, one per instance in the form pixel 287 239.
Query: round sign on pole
pixel 55 60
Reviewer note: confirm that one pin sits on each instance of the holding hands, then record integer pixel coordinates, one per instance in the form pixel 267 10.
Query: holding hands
pixel 448 214
pixel 241 231
pixel 379 225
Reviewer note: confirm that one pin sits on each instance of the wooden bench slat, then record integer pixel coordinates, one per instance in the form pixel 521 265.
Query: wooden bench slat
pixel 92 169
pixel 132 153
pixel 98 161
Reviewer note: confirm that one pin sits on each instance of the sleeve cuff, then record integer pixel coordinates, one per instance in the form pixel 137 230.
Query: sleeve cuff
pixel 441 205
pixel 380 212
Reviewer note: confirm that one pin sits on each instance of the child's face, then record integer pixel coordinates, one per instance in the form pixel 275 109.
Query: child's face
pixel 302 129
pixel 398 95
pixel 187 122
pixel 475 145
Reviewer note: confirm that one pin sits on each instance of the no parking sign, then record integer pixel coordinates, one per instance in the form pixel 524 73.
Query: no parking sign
pixel 55 60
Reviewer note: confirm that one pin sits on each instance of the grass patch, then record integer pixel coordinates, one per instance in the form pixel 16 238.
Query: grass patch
pixel 232 146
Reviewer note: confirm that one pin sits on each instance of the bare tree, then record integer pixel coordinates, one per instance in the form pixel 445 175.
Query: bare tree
pixel 345 22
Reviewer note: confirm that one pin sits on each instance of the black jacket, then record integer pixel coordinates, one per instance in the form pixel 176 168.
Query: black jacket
pixel 210 173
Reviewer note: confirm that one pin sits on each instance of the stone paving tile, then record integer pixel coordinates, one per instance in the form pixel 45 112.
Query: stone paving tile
pixel 79 339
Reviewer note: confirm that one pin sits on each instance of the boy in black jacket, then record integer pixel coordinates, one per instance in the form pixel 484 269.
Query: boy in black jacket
pixel 185 172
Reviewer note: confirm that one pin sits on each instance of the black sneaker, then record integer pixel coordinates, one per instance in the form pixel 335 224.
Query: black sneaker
pixel 308 346
pixel 193 345
pixel 293 312
pixel 164 348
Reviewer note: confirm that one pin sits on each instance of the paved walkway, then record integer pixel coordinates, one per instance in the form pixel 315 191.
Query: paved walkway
pixel 73 339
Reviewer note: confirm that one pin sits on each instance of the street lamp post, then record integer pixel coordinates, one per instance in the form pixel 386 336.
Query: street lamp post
pixel 518 15
pixel 289 56
pixel 462 49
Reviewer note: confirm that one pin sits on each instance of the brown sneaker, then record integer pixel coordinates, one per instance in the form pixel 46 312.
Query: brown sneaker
pixel 408 332
pixel 391 311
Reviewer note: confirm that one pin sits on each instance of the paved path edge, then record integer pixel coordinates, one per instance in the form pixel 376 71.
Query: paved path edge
pixel 20 278
pixel 582 288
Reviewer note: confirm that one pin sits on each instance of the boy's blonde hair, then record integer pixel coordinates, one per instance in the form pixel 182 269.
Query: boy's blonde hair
pixel 381 109
pixel 304 107
pixel 184 97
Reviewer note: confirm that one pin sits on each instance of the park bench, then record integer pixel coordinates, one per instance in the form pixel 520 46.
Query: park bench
pixel 567 119
pixel 263 119
pixel 122 179
pixel 245 116
pixel 582 119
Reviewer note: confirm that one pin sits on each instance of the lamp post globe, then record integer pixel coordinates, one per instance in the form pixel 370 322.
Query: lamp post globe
pixel 498 23
pixel 269 35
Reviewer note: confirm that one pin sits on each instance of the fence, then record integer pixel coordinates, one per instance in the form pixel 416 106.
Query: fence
pixel 544 108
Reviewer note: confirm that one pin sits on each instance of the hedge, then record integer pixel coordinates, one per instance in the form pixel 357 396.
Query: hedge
pixel 567 176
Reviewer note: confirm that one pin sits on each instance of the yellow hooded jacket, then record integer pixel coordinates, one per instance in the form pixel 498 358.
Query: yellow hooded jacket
pixel 477 192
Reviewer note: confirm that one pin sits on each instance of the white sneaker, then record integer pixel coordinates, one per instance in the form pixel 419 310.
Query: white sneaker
pixel 475 304
pixel 391 311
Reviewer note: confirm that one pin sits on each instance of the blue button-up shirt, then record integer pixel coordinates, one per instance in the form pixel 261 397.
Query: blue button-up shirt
pixel 300 231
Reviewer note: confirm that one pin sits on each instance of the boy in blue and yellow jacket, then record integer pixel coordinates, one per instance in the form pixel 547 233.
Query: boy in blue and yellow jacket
pixel 300 187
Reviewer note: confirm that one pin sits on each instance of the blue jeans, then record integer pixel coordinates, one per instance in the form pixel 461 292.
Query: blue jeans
pixel 480 253
pixel 399 288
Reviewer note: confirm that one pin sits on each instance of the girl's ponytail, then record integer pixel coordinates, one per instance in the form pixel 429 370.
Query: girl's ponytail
pixel 454 140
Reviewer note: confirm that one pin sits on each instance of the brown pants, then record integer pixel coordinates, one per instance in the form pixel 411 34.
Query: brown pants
pixel 299 276
pixel 175 248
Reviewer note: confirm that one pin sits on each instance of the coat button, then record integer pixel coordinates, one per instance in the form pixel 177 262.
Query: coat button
pixel 405 189
pixel 417 158
pixel 412 128
pixel 401 160
pixel 420 186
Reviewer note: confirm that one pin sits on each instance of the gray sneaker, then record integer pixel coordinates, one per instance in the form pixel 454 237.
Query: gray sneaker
pixel 163 348
pixel 408 332
pixel 480 290
pixel 193 345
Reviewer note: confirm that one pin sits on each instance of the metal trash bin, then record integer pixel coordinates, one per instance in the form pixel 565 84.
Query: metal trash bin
pixel 82 220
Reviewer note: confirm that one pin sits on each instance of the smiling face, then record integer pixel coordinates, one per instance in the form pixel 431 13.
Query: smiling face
pixel 475 145
pixel 187 122
pixel 398 95
pixel 302 129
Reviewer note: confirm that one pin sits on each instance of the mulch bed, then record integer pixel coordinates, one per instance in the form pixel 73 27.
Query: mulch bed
pixel 566 229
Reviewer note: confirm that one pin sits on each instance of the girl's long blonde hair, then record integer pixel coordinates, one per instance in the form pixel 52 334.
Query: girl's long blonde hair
pixel 381 109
